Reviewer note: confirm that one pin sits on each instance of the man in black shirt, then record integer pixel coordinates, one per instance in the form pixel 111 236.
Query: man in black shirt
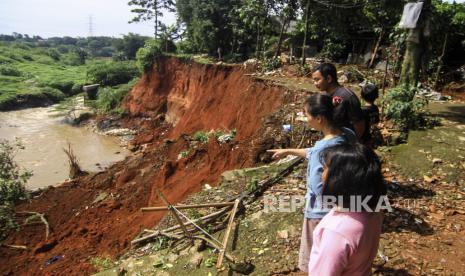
pixel 348 112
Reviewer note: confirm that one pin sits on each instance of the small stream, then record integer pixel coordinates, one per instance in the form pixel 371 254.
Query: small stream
pixel 44 135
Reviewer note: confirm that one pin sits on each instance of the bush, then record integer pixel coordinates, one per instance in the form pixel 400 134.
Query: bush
pixel 54 54
pixel 271 64
pixel 8 70
pixel 112 73
pixel 185 47
pixel 109 99
pixel 148 54
pixel 64 86
pixel 12 185
pixel 406 111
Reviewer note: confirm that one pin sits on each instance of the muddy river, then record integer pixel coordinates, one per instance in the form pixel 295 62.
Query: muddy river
pixel 44 135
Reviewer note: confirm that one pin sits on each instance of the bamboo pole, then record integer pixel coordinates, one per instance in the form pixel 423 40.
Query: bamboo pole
pixel 226 236
pixel 175 214
pixel 181 207
pixel 176 227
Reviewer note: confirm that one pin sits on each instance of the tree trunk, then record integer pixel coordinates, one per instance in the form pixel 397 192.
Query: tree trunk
pixel 156 18
pixel 304 44
pixel 257 50
pixel 281 34
pixel 416 48
pixel 376 48
pixel 438 71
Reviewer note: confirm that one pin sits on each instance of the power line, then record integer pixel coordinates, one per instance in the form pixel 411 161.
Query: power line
pixel 344 5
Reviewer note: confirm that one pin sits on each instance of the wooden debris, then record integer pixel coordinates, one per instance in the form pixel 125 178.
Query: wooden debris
pixel 226 236
pixel 181 207
pixel 43 219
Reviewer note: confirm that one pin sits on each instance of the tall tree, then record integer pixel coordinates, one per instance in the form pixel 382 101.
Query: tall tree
pixel 150 10
pixel 287 10
pixel 417 45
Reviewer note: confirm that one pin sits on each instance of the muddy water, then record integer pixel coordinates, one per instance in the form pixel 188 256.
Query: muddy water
pixel 44 137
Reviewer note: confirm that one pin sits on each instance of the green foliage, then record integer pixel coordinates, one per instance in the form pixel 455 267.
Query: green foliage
pixel 109 99
pixel 185 47
pixel 332 49
pixel 201 136
pixel 9 70
pixel 12 185
pixel 102 263
pixel 404 109
pixel 270 64
pixel 304 70
pixel 54 54
pixel 112 73
pixel 211 261
pixel 147 55
pixel 127 47
pixel 253 184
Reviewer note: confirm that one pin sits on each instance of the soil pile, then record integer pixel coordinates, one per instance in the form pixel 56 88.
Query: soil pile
pixel 98 215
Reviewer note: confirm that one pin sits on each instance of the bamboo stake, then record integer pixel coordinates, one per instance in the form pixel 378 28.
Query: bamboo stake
pixel 181 207
pixel 173 211
pixel 226 236
pixel 176 227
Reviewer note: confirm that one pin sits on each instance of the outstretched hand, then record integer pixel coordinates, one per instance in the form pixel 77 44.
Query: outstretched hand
pixel 278 153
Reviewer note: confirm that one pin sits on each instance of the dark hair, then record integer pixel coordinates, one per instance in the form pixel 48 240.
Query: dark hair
pixel 324 105
pixel 326 69
pixel 370 92
pixel 353 170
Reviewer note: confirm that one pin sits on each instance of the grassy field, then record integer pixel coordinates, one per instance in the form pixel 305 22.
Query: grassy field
pixel 30 75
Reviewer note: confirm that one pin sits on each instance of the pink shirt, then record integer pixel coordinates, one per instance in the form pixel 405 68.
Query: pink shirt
pixel 345 243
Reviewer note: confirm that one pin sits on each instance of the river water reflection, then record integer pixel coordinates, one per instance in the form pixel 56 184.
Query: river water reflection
pixel 44 137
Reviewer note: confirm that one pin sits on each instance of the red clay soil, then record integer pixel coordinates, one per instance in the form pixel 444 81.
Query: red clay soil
pixel 179 97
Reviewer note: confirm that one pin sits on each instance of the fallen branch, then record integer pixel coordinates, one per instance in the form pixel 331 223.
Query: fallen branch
pixel 21 247
pixel 42 218
pixel 180 207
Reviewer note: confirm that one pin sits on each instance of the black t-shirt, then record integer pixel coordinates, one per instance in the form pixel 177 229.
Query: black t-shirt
pixel 350 110
pixel 371 117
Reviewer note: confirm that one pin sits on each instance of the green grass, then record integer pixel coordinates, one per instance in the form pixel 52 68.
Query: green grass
pixel 41 77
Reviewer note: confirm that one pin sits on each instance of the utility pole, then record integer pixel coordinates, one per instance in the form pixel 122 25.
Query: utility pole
pixel 91 26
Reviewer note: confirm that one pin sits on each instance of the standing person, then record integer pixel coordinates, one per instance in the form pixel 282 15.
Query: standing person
pixel 350 114
pixel 319 110
pixel 370 112
pixel 346 240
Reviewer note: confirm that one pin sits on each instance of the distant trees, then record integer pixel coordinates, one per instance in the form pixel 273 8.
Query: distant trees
pixel 126 47
pixel 147 10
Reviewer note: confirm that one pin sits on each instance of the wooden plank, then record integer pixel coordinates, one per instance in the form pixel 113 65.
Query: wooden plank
pixel 226 235
pixel 181 207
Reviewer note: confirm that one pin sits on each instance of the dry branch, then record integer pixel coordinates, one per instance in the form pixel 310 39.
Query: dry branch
pixel 43 219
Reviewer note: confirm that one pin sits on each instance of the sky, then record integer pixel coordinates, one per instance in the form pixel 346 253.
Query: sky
pixel 48 18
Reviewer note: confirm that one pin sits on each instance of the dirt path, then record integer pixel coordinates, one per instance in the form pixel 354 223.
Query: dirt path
pixel 424 234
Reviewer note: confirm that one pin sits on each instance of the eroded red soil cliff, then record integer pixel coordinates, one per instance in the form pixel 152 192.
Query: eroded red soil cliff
pixel 98 215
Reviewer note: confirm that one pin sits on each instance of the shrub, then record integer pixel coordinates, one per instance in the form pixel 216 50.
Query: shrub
pixel 108 99
pixel 8 70
pixel 404 109
pixel 64 86
pixel 148 54
pixel 54 54
pixel 185 47
pixel 12 185
pixel 112 73
pixel 271 64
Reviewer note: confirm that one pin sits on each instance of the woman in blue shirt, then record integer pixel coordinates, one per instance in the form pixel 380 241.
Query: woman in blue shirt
pixel 320 110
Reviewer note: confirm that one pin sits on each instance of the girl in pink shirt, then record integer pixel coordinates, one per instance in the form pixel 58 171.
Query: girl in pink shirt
pixel 345 241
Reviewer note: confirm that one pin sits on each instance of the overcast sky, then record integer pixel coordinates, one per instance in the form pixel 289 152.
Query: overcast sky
pixel 49 18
